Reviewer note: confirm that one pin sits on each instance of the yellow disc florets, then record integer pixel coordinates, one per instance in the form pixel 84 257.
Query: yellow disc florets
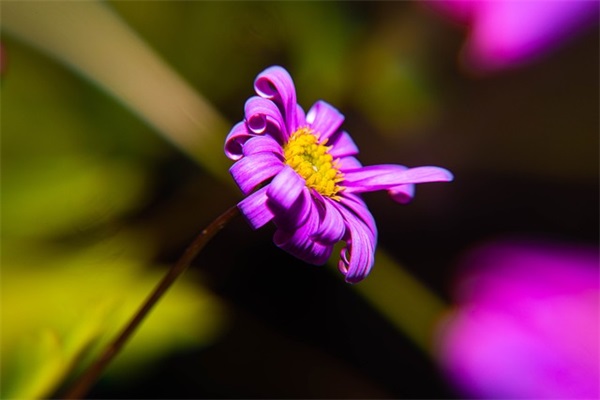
pixel 311 160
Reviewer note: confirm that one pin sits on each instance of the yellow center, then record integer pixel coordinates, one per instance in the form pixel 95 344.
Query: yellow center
pixel 312 161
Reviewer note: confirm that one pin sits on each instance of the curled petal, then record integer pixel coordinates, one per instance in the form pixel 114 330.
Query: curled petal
pixel 261 144
pixel 276 84
pixel 342 145
pixel 235 140
pixel 357 206
pixel 320 253
pixel 331 227
pixel 285 188
pixel 251 171
pixel 324 119
pixel 360 244
pixel 382 177
pixel 254 208
pixel 259 111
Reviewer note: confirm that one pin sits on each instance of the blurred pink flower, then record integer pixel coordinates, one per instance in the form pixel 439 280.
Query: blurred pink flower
pixel 526 323
pixel 503 33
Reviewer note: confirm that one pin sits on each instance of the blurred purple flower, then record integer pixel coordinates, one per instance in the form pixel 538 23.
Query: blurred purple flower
pixel 526 323
pixel 504 33
pixel 311 180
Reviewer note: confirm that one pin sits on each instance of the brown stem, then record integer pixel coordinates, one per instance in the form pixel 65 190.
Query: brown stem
pixel 93 372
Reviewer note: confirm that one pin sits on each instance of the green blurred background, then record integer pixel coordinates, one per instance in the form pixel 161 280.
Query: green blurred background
pixel 100 195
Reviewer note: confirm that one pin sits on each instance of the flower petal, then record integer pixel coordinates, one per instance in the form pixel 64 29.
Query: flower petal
pixel 300 118
pixel 235 140
pixel 259 111
pixel 342 145
pixel 331 226
pixel 294 216
pixel 308 227
pixel 300 241
pixel 348 163
pixel 320 253
pixel 324 119
pixel 360 243
pixel 302 247
pixel 355 204
pixel 250 171
pixel 276 84
pixel 254 208
pixel 402 194
pixel 260 144
pixel 381 177
pixel 285 188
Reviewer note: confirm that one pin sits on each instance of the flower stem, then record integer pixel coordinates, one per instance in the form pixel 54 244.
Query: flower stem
pixel 81 386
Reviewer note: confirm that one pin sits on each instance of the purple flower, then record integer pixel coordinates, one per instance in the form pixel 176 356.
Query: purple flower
pixel 527 323
pixel 504 33
pixel 299 171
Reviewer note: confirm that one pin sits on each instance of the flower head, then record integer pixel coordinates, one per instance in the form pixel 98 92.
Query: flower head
pixel 299 171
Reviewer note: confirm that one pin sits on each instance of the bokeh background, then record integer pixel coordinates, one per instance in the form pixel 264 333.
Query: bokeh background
pixel 98 198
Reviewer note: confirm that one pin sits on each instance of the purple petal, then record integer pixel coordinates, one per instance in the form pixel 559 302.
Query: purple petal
pixel 342 145
pixel 296 215
pixel 254 208
pixel 300 242
pixel 381 177
pixel 348 163
pixel 332 227
pixel 235 140
pixel 355 204
pixel 402 194
pixel 320 253
pixel 260 144
pixel 324 119
pixel 276 84
pixel 285 188
pixel 300 117
pixel 361 245
pixel 251 171
pixel 258 111
pixel 300 236
pixel 303 247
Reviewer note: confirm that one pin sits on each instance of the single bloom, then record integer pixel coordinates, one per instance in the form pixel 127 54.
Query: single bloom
pixel 526 323
pixel 299 171
pixel 506 33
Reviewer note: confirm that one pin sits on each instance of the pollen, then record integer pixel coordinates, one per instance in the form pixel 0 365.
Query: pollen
pixel 311 160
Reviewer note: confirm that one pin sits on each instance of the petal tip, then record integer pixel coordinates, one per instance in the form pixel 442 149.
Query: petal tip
pixel 448 175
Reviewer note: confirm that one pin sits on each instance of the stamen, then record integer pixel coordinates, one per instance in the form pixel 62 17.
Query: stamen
pixel 311 160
